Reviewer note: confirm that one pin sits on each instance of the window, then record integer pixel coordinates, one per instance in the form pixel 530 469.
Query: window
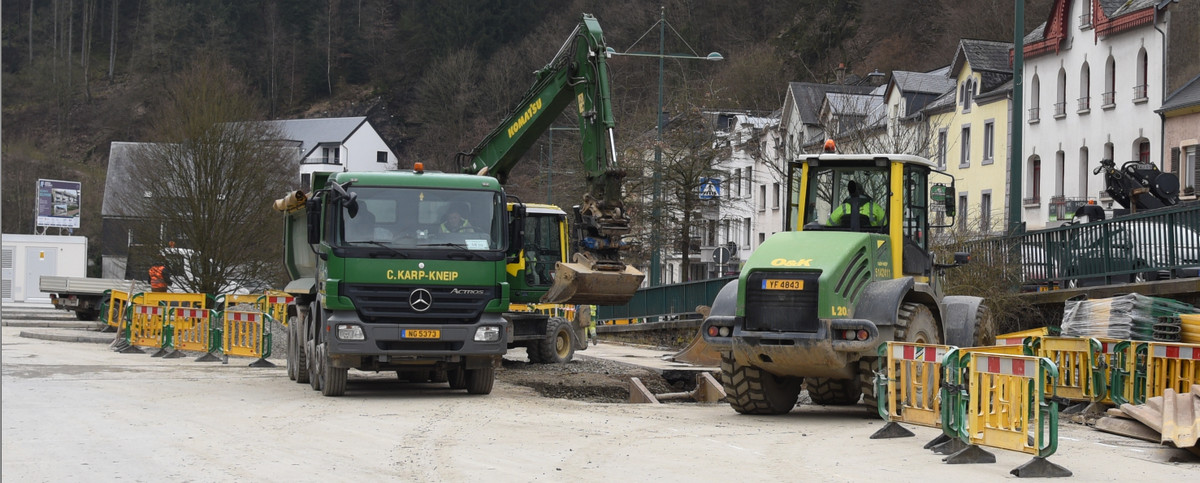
pixel 1083 171
pixel 1035 180
pixel 962 216
pixel 1060 166
pixel 745 232
pixel 736 183
pixel 1109 97
pixel 381 156
pixel 1188 174
pixel 762 237
pixel 1085 20
pixel 775 197
pixel 964 160
pixel 967 94
pixel 989 141
pixel 1035 97
pixel 1143 153
pixel 941 149
pixel 725 230
pixel 985 211
pixel 762 197
pixel 1060 104
pixel 1085 100
pixel 1140 89
pixel 749 180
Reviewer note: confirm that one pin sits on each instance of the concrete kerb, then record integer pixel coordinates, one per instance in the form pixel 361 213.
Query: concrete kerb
pixel 67 335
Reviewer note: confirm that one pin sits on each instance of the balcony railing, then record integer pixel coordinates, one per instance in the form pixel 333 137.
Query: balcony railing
pixel 1085 21
pixel 1031 202
pixel 1139 93
pixel 1108 99
pixel 1085 104
pixel 1035 114
pixel 1060 110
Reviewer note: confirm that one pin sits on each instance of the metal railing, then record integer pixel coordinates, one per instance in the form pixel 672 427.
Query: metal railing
pixel 1139 92
pixel 1060 109
pixel 665 301
pixel 1109 98
pixel 1035 113
pixel 1085 103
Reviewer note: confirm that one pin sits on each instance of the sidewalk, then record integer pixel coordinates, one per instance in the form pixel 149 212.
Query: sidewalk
pixel 648 357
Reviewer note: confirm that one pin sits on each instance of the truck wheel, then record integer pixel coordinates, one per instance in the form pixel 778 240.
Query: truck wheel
pixel 314 369
pixel 833 392
pixel 87 315
pixel 333 379
pixel 458 378
pixel 751 390
pixel 479 381
pixel 914 324
pixel 438 376
pixel 557 347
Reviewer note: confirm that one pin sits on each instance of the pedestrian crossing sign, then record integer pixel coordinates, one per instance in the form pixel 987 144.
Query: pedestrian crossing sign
pixel 710 188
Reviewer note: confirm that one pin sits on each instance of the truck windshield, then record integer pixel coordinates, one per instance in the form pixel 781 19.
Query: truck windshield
pixel 445 219
pixel 837 195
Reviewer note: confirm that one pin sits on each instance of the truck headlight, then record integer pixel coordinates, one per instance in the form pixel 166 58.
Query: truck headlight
pixel 350 332
pixel 487 334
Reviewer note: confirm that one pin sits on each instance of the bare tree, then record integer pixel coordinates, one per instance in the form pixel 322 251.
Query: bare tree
pixel 204 188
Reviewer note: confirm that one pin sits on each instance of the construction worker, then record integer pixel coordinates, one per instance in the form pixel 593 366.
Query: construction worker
pixel 592 325
pixel 455 223
pixel 160 278
pixel 867 208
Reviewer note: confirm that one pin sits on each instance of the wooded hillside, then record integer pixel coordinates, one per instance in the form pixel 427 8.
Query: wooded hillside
pixel 432 76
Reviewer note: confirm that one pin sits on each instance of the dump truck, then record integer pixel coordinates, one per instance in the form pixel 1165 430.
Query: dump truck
pixel 851 270
pixel 416 271
pixel 84 295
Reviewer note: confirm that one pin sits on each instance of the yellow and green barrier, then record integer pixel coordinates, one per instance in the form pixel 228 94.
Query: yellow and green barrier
pixel 191 330
pixel 1081 368
pixel 907 387
pixel 1146 369
pixel 245 334
pixel 275 304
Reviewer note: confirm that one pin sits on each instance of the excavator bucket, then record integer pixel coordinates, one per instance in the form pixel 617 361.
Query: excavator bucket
pixel 579 283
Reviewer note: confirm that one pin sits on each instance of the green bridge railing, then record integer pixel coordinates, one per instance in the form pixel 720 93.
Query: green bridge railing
pixel 673 301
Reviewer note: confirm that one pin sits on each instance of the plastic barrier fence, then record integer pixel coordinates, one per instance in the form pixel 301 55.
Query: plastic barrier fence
pixel 172 299
pixel 1108 360
pixel 1006 407
pixel 191 330
pixel 245 334
pixel 1189 328
pixel 1171 365
pixel 1080 374
pixel 114 309
pixel 1018 338
pixel 146 326
pixel 911 380
pixel 275 304
pixel 1127 377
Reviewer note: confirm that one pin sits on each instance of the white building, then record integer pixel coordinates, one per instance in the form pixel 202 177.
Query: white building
pixel 1093 80
pixel 336 144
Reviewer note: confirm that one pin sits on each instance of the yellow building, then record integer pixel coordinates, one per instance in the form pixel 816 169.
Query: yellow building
pixel 970 132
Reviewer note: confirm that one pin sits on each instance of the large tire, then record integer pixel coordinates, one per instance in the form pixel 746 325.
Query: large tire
pixel 87 315
pixel 985 327
pixel 557 348
pixel 534 351
pixel 480 381
pixel 333 379
pixel 314 368
pixel 458 378
pixel 914 324
pixel 833 392
pixel 751 390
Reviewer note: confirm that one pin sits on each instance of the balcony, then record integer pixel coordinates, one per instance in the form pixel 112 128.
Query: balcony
pixel 1035 115
pixel 1085 105
pixel 322 160
pixel 1033 202
pixel 1060 110
pixel 1108 100
pixel 1139 94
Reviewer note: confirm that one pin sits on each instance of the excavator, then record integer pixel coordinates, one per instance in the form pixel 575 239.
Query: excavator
pixel 435 275
pixel 576 76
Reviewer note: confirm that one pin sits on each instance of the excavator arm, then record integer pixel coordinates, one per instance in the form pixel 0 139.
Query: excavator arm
pixel 577 77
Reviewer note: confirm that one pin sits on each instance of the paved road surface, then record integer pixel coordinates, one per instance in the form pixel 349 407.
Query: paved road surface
pixel 79 412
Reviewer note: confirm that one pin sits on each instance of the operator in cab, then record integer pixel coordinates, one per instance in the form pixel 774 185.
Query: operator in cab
pixel 868 209
pixel 455 223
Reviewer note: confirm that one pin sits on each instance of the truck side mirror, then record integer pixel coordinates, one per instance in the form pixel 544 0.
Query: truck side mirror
pixel 313 213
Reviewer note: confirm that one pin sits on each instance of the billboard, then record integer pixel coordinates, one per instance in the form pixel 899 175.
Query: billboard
pixel 58 203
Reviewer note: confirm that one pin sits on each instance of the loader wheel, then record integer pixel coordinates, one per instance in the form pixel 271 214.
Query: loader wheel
pixel 833 392
pixel 557 347
pixel 751 390
pixel 914 324
pixel 985 327
pixel 480 381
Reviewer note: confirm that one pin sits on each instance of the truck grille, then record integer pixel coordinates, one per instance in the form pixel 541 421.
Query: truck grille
pixel 390 303
pixel 782 310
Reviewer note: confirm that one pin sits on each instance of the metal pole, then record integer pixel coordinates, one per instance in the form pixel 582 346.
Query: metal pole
pixel 655 256
pixel 1018 110
pixel 550 170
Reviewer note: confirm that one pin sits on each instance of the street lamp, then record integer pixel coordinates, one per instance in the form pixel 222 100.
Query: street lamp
pixel 655 256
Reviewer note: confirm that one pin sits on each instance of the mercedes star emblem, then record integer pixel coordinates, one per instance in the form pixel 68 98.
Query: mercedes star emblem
pixel 420 300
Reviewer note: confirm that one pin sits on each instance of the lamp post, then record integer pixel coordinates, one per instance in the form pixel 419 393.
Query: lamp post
pixel 655 249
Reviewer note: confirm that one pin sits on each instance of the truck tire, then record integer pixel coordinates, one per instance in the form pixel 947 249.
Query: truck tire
pixel 557 347
pixel 438 377
pixel 915 323
pixel 87 315
pixel 333 379
pixel 480 381
pixel 297 362
pixel 458 378
pixel 314 370
pixel 833 392
pixel 751 390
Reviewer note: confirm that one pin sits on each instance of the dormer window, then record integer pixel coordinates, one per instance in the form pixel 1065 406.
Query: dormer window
pixel 967 94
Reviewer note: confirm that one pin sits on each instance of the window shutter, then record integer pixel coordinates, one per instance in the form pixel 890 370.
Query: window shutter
pixel 1175 160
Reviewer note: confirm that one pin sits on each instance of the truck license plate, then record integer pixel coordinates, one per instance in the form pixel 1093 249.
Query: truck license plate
pixel 775 284
pixel 422 334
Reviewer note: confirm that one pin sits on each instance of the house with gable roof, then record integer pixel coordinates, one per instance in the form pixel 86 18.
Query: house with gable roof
pixel 335 144
pixel 905 97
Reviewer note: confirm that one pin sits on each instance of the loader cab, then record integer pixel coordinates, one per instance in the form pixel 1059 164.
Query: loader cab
pixel 900 197
pixel 541 243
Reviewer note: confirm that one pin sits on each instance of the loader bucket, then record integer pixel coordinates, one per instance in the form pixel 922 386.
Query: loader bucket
pixel 576 283
pixel 699 353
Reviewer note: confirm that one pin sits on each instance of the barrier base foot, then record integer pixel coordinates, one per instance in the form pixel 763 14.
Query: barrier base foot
pixel 949 446
pixel 972 455
pixel 262 363
pixel 159 353
pixel 175 354
pixel 892 430
pixel 1040 468
pixel 942 438
pixel 130 349
pixel 208 357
